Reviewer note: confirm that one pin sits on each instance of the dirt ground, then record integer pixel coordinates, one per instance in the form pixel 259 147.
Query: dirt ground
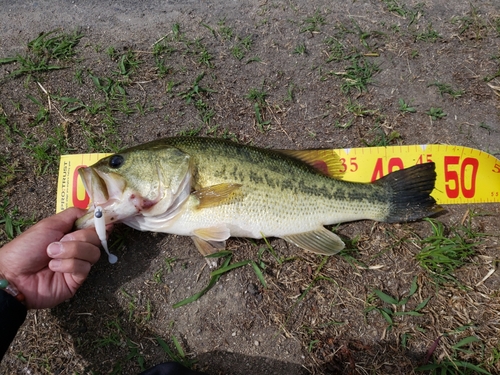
pixel 317 315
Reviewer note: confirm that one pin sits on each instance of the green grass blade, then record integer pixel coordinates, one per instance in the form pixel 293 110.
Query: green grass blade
pixel 385 297
pixel 259 274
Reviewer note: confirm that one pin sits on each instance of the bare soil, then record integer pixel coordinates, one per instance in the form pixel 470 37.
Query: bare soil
pixel 311 317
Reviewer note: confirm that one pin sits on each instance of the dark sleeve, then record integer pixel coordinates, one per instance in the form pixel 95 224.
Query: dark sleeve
pixel 171 368
pixel 12 315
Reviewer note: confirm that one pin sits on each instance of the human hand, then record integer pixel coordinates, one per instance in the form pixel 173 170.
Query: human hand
pixel 48 262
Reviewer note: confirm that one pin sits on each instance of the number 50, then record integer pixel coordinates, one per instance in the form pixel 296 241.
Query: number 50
pixel 456 177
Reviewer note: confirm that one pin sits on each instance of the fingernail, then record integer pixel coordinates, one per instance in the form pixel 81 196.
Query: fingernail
pixel 55 264
pixel 55 248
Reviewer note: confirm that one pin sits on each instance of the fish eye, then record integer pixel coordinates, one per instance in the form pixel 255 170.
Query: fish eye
pixel 116 161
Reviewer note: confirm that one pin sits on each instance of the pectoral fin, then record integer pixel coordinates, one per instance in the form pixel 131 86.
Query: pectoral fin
pixel 214 195
pixel 324 161
pixel 320 241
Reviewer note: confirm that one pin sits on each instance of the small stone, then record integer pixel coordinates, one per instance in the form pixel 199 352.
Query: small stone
pixel 256 343
pixel 3 284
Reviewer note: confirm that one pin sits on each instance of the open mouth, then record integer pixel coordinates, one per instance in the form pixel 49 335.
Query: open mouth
pixel 95 186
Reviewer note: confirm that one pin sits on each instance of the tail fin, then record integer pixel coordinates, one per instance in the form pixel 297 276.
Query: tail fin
pixel 409 192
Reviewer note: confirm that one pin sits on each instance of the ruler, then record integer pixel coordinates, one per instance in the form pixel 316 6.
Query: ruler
pixel 464 175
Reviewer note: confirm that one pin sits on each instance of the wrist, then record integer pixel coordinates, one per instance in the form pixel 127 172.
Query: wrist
pixel 10 288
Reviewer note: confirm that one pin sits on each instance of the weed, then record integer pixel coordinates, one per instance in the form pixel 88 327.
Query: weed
pixel 258 97
pixel 215 275
pixel 358 110
pixel 395 7
pixel 311 24
pixel 289 93
pixel 134 353
pixel 443 253
pixel 162 48
pixel 436 113
pixel 178 355
pixel 205 58
pixel 111 88
pixel 158 276
pixel 405 107
pixel 46 154
pixel 195 90
pixel 127 64
pixel 43 114
pixel 111 52
pixel 452 364
pixel 12 224
pixel 225 31
pixel 79 76
pixel 398 305
pixel 428 35
pixel 240 50
pixel 382 139
pixel 358 75
pixel 403 10
pixel 336 50
pixel 472 24
pixel 344 125
pixel 41 50
pixel 445 88
pixel 191 132
pixel 300 49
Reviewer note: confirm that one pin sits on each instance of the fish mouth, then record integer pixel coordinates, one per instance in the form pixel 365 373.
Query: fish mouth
pixel 104 190
pixel 94 185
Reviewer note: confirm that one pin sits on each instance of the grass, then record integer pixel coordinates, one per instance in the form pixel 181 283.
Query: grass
pixel 405 107
pixel 394 307
pixel 436 113
pixel 258 97
pixel 44 52
pixel 445 251
pixel 445 88
pixel 11 225
pixel 312 24
pixel 215 275
pixel 472 23
pixel 428 35
pixel 358 75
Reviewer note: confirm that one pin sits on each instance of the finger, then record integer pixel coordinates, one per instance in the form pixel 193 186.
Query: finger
pixel 64 220
pixel 82 235
pixel 74 250
pixel 79 269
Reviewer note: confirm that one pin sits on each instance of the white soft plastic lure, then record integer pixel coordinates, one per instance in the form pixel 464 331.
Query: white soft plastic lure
pixel 100 228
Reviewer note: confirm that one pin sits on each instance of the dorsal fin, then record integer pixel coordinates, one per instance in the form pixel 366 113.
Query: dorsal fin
pixel 325 161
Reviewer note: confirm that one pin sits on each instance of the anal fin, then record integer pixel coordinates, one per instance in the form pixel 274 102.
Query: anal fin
pixel 320 241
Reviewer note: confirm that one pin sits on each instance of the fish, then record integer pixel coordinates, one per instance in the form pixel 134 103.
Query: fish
pixel 211 189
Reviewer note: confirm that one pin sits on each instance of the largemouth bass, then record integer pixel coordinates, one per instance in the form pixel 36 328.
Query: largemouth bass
pixel 212 189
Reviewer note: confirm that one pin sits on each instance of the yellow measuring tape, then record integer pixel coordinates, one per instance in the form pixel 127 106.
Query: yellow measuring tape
pixel 464 175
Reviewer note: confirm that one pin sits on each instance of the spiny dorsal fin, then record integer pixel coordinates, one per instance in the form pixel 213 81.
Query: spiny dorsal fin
pixel 214 195
pixel 325 161
pixel 320 241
